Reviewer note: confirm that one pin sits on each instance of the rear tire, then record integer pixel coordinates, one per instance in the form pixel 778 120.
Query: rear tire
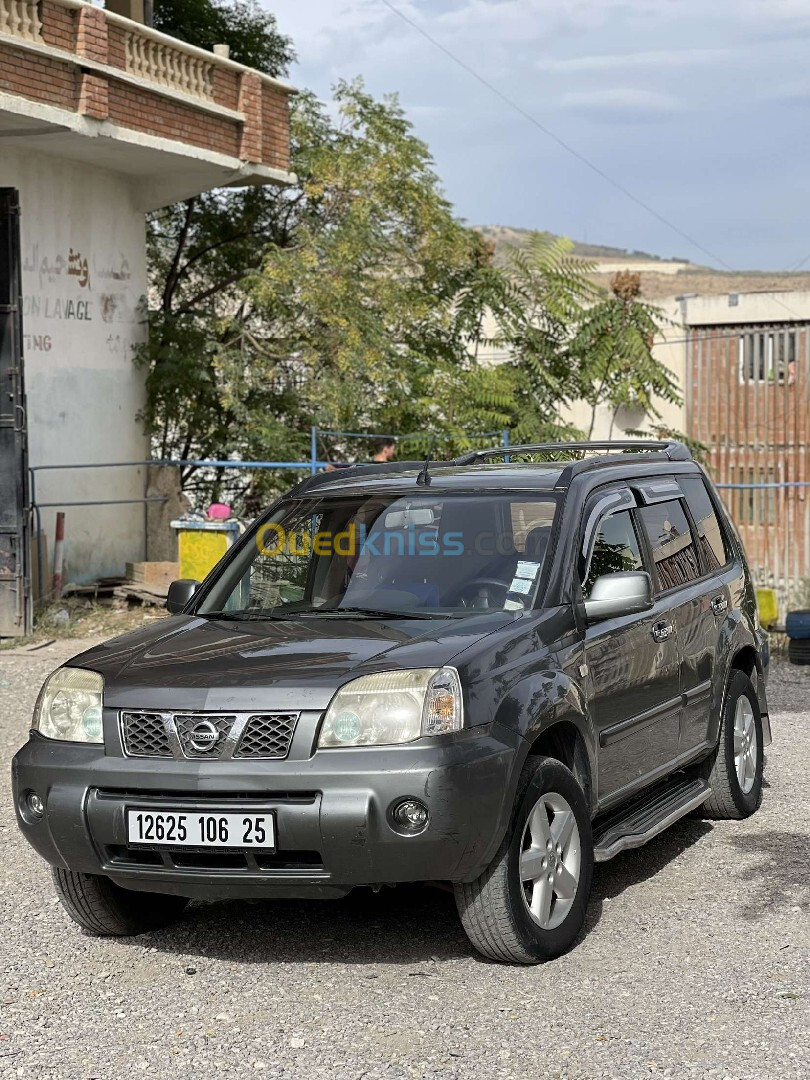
pixel 104 909
pixel 734 770
pixel 529 905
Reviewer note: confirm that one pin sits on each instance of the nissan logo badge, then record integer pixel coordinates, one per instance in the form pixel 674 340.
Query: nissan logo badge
pixel 203 736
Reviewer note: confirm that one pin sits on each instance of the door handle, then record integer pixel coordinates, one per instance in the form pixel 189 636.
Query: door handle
pixel 719 605
pixel 662 631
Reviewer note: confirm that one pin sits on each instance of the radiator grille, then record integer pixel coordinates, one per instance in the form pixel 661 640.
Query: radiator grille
pixel 267 736
pixel 145 734
pixel 238 735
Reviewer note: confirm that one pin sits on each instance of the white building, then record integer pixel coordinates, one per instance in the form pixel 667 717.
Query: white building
pixel 101 120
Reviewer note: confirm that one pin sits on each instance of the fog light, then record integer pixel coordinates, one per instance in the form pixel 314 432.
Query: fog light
pixel 410 815
pixel 35 805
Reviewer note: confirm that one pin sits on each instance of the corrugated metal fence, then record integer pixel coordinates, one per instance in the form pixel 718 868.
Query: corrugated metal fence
pixel 748 399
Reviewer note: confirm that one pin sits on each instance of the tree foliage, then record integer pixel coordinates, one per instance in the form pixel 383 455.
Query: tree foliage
pixel 243 25
pixel 570 340
pixel 613 343
pixel 348 301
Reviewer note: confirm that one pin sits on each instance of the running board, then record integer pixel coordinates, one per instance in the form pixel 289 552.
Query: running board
pixel 647 816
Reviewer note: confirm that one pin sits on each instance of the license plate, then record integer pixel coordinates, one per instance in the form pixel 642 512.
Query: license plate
pixel 192 829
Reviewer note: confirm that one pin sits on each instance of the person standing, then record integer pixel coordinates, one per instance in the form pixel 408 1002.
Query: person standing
pixel 385 449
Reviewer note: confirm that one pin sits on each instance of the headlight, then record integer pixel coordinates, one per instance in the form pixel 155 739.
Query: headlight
pixel 393 707
pixel 69 706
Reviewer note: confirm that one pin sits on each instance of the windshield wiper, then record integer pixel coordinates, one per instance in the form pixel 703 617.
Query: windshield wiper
pixel 239 616
pixel 349 612
pixel 377 613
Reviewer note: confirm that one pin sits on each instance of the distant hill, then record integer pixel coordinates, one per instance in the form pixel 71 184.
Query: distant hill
pixel 660 277
pixel 504 235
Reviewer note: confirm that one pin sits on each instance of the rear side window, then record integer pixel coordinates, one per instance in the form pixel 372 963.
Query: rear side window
pixel 673 547
pixel 615 548
pixel 710 534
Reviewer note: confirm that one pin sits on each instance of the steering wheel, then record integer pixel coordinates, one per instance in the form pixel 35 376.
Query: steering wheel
pixel 488 584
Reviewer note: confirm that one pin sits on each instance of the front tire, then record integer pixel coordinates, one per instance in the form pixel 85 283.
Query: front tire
pixel 734 771
pixel 104 909
pixel 529 905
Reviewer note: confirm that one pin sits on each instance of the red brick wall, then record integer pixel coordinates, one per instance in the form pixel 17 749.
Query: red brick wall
pixel 116 46
pixel 94 99
pixel 226 88
pixel 59 26
pixel 37 77
pixel 275 128
pixel 91 36
pixel 143 111
pixel 263 138
pixel 250 105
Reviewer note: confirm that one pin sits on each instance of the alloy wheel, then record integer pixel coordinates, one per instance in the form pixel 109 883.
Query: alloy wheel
pixel 746 745
pixel 550 856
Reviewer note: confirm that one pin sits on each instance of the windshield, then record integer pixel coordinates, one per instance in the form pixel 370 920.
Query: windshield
pixel 415 556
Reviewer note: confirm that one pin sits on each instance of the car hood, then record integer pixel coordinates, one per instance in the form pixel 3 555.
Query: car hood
pixel 185 662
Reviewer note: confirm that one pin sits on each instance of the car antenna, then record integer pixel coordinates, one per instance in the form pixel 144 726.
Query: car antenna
pixel 423 479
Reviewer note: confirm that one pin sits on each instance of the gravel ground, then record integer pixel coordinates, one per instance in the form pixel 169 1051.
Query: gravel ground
pixel 696 962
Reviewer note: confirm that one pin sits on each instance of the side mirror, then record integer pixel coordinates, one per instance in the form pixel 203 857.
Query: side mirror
pixel 180 592
pixel 624 593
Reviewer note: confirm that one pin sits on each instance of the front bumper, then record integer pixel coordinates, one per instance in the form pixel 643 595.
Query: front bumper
pixel 331 813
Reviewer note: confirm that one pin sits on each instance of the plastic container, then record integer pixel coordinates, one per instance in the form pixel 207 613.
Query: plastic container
pixel 768 607
pixel 797 624
pixel 201 544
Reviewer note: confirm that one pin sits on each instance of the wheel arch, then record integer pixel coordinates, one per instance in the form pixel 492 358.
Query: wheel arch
pixel 745 660
pixel 564 741
pixel 745 657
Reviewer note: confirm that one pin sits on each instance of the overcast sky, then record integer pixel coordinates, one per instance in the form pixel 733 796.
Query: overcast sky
pixel 700 107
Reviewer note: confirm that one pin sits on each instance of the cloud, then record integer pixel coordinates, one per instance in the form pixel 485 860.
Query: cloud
pixel 654 59
pixel 620 102
pixel 666 96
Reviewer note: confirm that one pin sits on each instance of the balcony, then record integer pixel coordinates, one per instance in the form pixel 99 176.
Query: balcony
pixel 88 85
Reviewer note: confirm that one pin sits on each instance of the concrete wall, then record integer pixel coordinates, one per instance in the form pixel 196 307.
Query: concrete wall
pixel 84 279
pixel 737 309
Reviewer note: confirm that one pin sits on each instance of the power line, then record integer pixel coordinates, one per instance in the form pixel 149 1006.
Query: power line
pixel 798 265
pixel 551 135
pixel 570 149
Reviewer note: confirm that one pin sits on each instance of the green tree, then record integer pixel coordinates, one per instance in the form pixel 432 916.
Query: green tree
pixel 243 25
pixel 613 343
pixel 200 251
pixel 569 339
pixel 356 300
pixel 546 296
pixel 382 290
pixel 349 300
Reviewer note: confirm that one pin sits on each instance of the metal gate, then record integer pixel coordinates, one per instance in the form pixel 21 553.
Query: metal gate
pixel 15 592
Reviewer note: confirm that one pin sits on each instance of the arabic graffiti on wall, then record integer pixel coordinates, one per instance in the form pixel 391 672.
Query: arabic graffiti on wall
pixel 77 287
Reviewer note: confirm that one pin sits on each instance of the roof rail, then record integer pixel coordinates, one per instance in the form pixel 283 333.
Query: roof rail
pixel 672 450
pixel 359 471
pixel 629 451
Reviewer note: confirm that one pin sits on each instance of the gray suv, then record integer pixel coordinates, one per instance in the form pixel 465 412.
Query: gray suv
pixel 488 673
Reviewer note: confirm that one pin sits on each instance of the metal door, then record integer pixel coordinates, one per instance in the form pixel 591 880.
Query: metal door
pixel 15 594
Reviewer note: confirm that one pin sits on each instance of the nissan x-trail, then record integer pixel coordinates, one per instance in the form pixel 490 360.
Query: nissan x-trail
pixel 487 673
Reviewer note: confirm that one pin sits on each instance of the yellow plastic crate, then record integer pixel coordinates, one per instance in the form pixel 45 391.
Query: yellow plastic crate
pixel 201 544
